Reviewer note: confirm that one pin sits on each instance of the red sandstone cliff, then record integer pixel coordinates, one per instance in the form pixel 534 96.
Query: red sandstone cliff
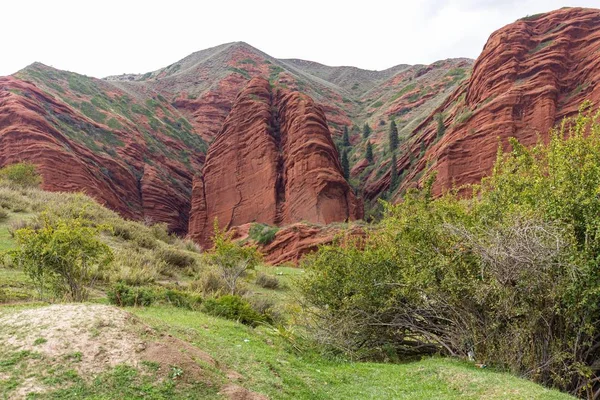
pixel 273 162
pixel 530 75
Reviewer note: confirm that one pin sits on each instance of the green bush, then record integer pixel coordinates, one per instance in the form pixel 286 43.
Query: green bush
pixel 176 258
pixel 262 234
pixel 266 281
pixel 135 267
pixel 3 214
pixel 233 307
pixel 21 174
pixel 181 299
pixel 509 274
pixel 231 259
pixel 123 295
pixel 64 255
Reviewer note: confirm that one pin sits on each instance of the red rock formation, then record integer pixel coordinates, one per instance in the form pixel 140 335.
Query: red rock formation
pixel 273 162
pixel 530 75
pixel 293 242
pixel 123 178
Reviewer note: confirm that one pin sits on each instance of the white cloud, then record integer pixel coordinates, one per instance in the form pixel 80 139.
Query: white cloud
pixel 112 37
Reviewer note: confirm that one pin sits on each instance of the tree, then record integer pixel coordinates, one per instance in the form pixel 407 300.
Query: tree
pixel 231 259
pixel 369 152
pixel 366 130
pixel 346 138
pixel 345 165
pixel 394 178
pixel 393 136
pixel 63 255
pixel 441 128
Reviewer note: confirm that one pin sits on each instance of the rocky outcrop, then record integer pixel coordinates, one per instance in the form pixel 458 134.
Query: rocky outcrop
pixel 293 242
pixel 274 163
pixel 128 167
pixel 530 75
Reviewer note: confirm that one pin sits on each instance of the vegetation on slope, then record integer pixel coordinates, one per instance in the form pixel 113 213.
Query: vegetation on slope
pixel 182 292
pixel 508 276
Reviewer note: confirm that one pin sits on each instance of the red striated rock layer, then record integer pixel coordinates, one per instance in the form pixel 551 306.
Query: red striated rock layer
pixel 294 241
pixel 26 135
pixel 126 178
pixel 530 75
pixel 273 162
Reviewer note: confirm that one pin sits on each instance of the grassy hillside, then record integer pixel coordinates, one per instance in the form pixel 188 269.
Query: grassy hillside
pixel 97 351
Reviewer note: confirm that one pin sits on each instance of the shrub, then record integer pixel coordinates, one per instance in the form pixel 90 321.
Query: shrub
pixel 262 234
pixel 266 281
pixel 65 255
pixel 135 267
pixel 181 299
pixel 21 174
pixel 11 199
pixel 123 295
pixel 211 283
pixel 231 259
pixel 176 258
pixel 509 274
pixel 233 307
pixel 3 214
pixel 266 308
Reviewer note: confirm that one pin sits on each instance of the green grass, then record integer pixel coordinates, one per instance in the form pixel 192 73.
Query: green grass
pixel 60 380
pixel 269 365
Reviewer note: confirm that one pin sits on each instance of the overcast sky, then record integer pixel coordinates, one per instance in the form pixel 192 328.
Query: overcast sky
pixel 108 37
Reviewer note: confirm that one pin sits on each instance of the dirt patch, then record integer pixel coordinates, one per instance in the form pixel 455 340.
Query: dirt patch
pixel 235 392
pixel 178 360
pixel 98 336
pixel 95 338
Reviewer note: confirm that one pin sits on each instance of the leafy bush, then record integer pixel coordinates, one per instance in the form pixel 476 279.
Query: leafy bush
pixel 233 307
pixel 509 274
pixel 123 295
pixel 231 259
pixel 262 234
pixel 181 299
pixel 64 255
pixel 21 174
pixel 266 281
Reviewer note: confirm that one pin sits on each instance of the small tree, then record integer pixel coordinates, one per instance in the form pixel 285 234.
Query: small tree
pixel 231 258
pixel 441 128
pixel 393 136
pixel 22 174
pixel 366 130
pixel 394 178
pixel 369 152
pixel 345 164
pixel 346 138
pixel 65 256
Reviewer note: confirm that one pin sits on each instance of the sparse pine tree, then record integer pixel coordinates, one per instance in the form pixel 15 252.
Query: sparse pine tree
pixel 345 165
pixel 441 128
pixel 394 178
pixel 366 130
pixel 369 152
pixel 346 138
pixel 393 136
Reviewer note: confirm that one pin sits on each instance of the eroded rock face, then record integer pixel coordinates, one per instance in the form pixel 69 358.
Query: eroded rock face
pixel 530 75
pixel 115 166
pixel 274 163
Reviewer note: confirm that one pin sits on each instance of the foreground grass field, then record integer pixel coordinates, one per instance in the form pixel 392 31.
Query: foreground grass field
pixel 270 365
